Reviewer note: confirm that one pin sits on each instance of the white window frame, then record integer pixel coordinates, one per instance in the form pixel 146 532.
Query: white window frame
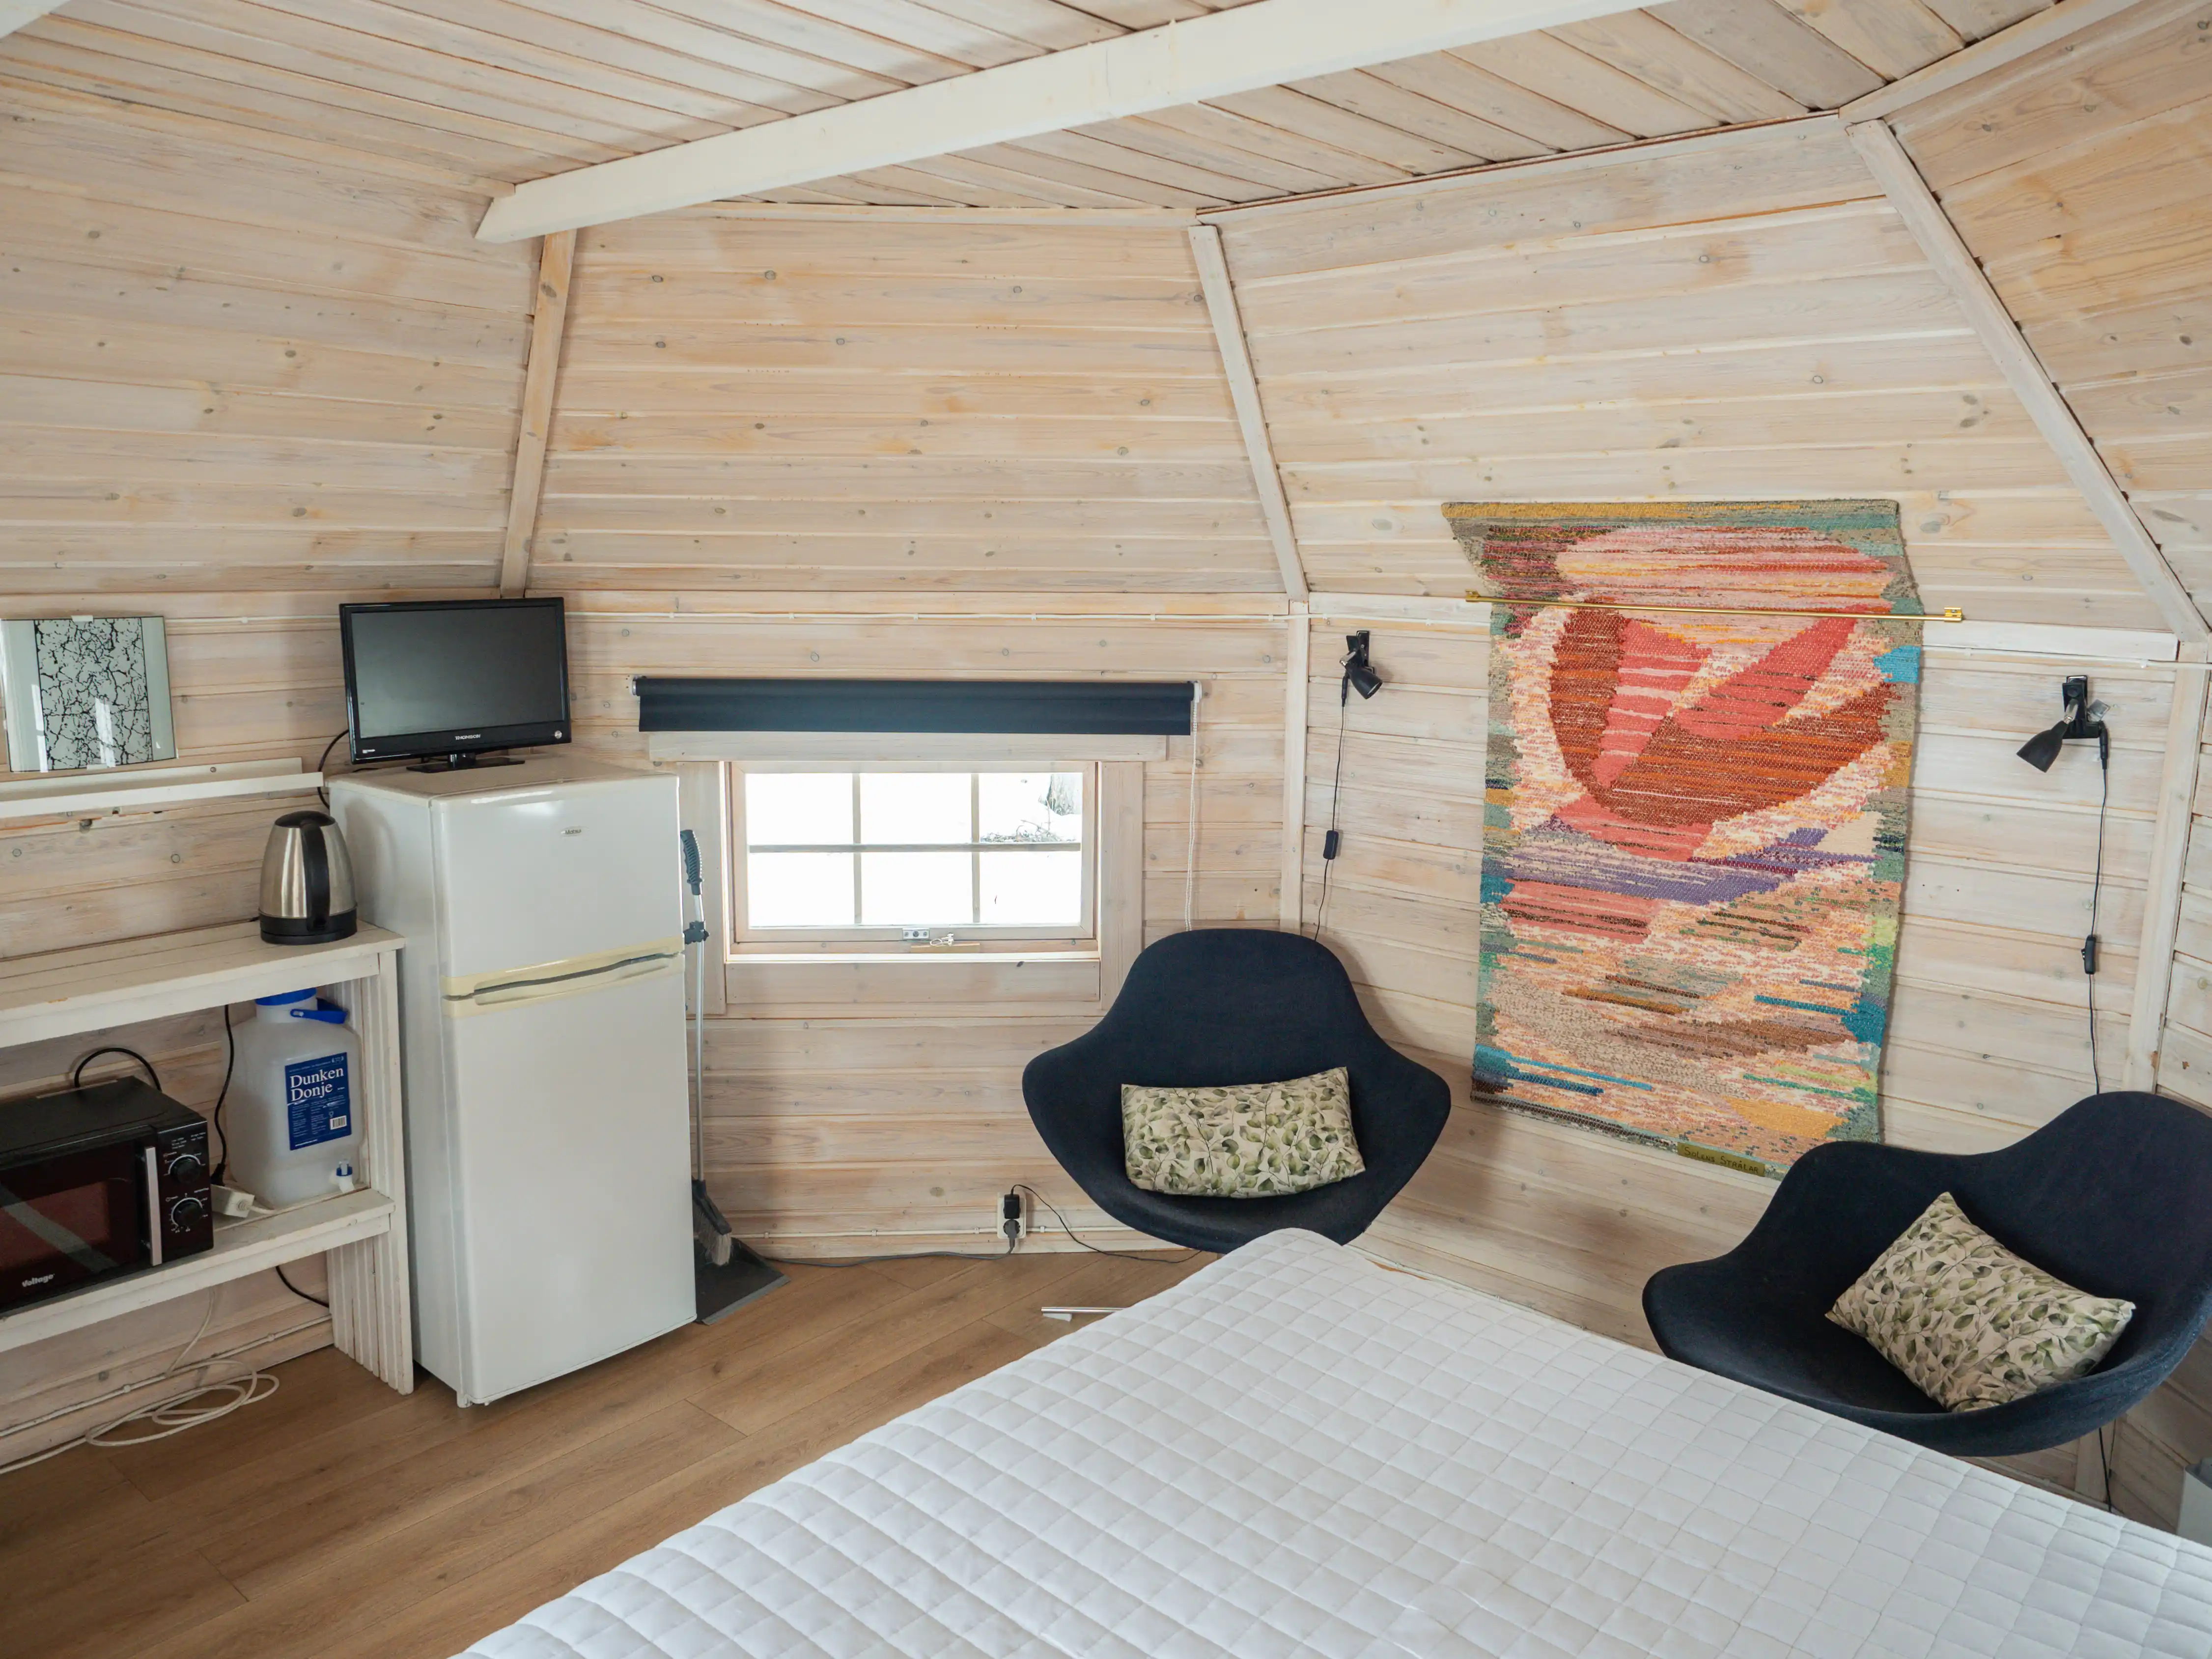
pixel 747 940
pixel 903 984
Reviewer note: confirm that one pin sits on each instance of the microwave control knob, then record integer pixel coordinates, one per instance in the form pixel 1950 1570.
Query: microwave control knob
pixel 185 1165
pixel 185 1211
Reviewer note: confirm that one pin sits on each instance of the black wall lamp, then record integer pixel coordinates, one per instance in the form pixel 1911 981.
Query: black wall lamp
pixel 1360 675
pixel 2083 720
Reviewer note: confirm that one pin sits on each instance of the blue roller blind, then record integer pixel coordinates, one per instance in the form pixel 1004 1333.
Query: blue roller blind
pixel 1149 708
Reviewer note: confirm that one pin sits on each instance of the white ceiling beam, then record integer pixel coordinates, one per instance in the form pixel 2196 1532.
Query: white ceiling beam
pixel 1244 397
pixel 541 380
pixel 1261 44
pixel 1955 267
pixel 14 14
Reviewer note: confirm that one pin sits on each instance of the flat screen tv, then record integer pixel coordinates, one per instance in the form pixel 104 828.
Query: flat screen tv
pixel 453 680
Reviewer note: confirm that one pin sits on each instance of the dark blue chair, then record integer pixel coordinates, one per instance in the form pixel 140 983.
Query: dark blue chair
pixel 1234 1004
pixel 2113 1196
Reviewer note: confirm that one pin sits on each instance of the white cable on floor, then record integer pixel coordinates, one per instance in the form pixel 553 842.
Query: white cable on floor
pixel 174 1415
pixel 1190 846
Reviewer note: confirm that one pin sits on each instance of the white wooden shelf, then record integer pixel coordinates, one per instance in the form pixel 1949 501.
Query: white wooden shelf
pixel 363 1234
pixel 63 992
pixel 240 1248
pixel 81 794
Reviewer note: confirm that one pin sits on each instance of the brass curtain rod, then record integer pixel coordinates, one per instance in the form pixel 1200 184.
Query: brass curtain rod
pixel 1950 613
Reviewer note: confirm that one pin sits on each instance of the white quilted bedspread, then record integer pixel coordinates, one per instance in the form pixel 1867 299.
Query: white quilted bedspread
pixel 1296 1452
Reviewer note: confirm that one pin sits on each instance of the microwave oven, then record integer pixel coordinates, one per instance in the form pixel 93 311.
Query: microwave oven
pixel 95 1183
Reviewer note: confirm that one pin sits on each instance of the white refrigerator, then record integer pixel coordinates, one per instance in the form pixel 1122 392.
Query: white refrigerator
pixel 549 1145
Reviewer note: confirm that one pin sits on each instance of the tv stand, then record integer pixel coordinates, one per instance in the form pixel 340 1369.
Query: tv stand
pixel 465 762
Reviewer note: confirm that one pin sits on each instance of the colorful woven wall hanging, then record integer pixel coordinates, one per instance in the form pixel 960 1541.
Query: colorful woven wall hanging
pixel 1693 844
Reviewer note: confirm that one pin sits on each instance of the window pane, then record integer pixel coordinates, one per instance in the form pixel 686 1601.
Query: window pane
pixel 1030 806
pixel 914 889
pixel 799 890
pixel 1032 890
pixel 798 809
pixel 914 807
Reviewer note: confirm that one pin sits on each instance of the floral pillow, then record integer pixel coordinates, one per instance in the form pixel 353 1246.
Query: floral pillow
pixel 1242 1140
pixel 1970 1322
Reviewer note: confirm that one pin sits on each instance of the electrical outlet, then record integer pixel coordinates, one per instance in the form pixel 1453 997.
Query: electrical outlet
pixel 1014 1207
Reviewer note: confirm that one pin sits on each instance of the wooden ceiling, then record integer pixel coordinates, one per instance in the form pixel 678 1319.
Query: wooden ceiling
pixel 501 91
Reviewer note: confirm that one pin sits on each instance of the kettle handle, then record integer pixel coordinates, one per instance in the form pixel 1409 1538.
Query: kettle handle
pixel 314 856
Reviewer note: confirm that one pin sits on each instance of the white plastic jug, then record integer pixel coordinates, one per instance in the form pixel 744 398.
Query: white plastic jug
pixel 289 1124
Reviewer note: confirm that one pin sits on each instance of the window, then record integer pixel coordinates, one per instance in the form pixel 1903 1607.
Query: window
pixel 900 859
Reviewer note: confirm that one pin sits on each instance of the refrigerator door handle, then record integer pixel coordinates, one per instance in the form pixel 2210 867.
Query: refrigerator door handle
pixel 545 980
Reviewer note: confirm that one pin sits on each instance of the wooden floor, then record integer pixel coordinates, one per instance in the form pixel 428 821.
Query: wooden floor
pixel 338 1519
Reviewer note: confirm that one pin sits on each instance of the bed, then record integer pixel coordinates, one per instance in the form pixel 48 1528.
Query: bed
pixel 1298 1452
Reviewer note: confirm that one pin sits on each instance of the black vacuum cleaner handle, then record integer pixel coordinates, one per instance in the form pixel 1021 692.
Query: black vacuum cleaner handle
pixel 691 860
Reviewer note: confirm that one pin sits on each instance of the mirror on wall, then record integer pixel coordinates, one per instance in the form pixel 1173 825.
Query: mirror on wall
pixel 85 693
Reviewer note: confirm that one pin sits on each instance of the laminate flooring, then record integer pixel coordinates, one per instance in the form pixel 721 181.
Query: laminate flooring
pixel 337 1520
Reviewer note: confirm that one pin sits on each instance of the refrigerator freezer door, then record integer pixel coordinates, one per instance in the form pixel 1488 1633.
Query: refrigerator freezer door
pixel 532 876
pixel 573 1142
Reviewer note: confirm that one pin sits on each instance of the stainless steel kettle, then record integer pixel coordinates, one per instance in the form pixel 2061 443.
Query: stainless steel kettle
pixel 306 882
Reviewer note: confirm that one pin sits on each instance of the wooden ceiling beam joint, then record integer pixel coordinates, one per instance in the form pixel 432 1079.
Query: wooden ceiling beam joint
pixel 2007 46
pixel 1955 267
pixel 15 14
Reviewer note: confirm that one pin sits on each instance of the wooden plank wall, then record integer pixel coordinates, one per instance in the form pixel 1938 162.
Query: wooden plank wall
pixel 1989 1036
pixel 1738 315
pixel 257 673
pixel 259 685
pixel 2081 178
pixel 242 378
pixel 763 416
pixel 2173 1430
pixel 827 1136
pixel 233 363
pixel 1990 1033
pixel 757 403
pixel 1571 1223
pixel 844 1136
pixel 939 450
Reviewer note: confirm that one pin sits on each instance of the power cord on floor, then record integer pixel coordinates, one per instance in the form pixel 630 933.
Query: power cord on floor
pixel 906 1255
pixel 1013 1240
pixel 175 1415
pixel 171 1416
pixel 1097 1250
pixel 1010 1223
